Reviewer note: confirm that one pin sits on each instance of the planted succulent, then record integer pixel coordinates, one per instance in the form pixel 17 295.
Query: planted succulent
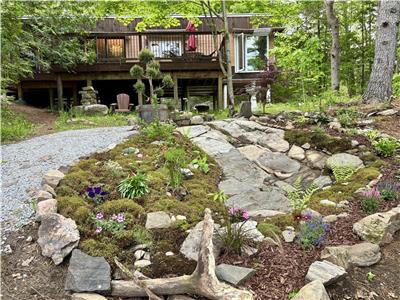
pixel 96 194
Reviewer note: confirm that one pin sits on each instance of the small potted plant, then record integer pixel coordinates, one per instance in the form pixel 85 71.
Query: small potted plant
pixel 149 69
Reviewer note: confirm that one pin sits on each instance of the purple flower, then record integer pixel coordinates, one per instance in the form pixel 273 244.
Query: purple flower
pixel 114 217
pixel 120 218
pixel 99 229
pixel 99 216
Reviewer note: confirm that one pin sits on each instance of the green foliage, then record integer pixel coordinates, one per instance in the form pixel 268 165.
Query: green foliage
pixel 372 135
pixel 396 85
pixel 317 139
pixel 386 147
pixel 134 186
pixel 113 207
pixel 98 248
pixel 142 236
pixel 388 194
pixel 158 131
pixel 370 276
pixel 293 294
pixel 175 159
pixel 14 126
pixel 234 237
pixel 343 173
pixel 136 72
pixel 146 56
pixel 312 232
pixel 201 163
pixel 219 196
pixel 370 204
pixel 299 198
pixel 347 116
pixel 268 229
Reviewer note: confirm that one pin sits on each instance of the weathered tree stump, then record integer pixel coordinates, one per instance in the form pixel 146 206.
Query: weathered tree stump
pixel 202 282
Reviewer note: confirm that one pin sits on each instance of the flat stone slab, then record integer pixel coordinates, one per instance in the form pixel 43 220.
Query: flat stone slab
pixel 158 220
pixel 213 143
pixel 233 274
pixel 255 202
pixel 87 273
pixel 326 272
pixel 279 162
pixel 253 152
pixel 316 158
pixel 227 127
pixel 315 290
pixel 344 160
pixel 193 131
pixel 274 142
pixel 191 245
pixel 58 236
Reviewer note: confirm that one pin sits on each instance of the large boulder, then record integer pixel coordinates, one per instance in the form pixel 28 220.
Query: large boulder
pixel 315 290
pixel 191 245
pixel 245 109
pixel 278 162
pixel 87 273
pixel 325 271
pixel 344 160
pixel 196 120
pixel 91 109
pixel 360 255
pixel 233 274
pixel 58 236
pixel 379 228
pixel 52 178
pixel 213 143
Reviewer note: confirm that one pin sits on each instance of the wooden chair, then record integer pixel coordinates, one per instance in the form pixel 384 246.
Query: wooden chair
pixel 122 104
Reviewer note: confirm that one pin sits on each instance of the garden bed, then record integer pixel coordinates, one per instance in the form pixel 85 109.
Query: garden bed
pixel 90 194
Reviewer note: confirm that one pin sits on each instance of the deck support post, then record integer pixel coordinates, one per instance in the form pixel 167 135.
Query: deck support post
pixel 20 92
pixel 75 94
pixel 176 93
pixel 220 100
pixel 51 99
pixel 60 93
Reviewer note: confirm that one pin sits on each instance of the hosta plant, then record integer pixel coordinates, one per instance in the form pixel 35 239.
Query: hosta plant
pixel 134 186
pixel 386 147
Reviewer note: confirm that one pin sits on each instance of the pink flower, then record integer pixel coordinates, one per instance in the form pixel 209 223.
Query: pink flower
pixel 140 155
pixel 120 218
pixel 246 215
pixel 99 229
pixel 99 216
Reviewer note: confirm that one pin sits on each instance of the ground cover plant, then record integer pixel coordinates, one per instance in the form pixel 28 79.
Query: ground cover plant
pixel 14 126
pixel 109 194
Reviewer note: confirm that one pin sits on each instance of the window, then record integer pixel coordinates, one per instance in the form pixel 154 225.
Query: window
pixel 110 48
pixel 251 52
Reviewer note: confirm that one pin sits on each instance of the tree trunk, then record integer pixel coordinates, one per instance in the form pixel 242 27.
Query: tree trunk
pixel 380 83
pixel 229 74
pixel 334 26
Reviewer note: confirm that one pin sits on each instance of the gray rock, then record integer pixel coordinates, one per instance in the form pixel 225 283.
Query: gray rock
pixel 360 255
pixel 87 273
pixel 245 109
pixel 257 201
pixel 87 296
pixel 296 152
pixel 328 203
pixel 354 143
pixel 250 125
pixel 288 235
pixel 344 160
pixel 213 143
pixel 58 236
pixel 330 218
pixel 193 131
pixel 309 211
pixel 139 254
pixel 253 152
pixel 274 142
pixel 179 297
pixel 95 109
pixel 191 245
pixel 196 120
pixel 248 229
pixel 335 125
pixel 317 159
pixel 49 189
pixel 45 207
pixel 322 181
pixel 187 173
pixel 387 112
pixel 142 263
pixel 306 146
pixel 314 290
pixel 43 195
pixel 228 127
pixel 233 274
pixel 379 228
pixel 248 250
pixel 325 271
pixel 278 162
pixel 158 219
pixel 52 178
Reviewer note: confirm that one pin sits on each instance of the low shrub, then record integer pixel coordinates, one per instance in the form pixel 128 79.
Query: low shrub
pixel 134 186
pixel 158 131
pixel 347 116
pixel 313 232
pixel 386 147
pixel 370 201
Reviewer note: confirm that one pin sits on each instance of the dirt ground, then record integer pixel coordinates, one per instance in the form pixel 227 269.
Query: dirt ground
pixel 43 119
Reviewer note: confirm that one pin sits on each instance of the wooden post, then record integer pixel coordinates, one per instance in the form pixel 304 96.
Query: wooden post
pixel 51 98
pixel 75 94
pixel 60 93
pixel 20 92
pixel 220 93
pixel 176 93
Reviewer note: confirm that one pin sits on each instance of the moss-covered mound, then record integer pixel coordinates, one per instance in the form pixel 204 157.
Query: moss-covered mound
pixel 318 139
pixel 106 170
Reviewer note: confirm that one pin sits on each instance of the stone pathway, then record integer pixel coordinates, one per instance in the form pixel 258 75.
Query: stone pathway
pixel 24 164
pixel 258 170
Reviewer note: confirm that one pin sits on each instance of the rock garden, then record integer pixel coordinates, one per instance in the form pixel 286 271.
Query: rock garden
pixel 287 206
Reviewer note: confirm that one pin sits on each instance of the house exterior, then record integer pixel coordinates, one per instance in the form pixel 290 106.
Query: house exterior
pixel 189 56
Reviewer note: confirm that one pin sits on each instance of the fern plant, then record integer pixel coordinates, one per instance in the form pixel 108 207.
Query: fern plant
pixel 299 198
pixel 343 173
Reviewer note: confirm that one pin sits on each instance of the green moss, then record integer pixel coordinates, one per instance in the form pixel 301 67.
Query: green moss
pixel 281 221
pixel 82 215
pixel 105 249
pixel 318 139
pixel 67 206
pixel 78 180
pixel 65 190
pixel 268 229
pixel 121 205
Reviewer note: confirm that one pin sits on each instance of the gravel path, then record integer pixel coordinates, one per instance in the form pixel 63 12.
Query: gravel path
pixel 24 164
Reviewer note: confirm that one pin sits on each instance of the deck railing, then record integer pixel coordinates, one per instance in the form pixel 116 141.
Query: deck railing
pixel 165 46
